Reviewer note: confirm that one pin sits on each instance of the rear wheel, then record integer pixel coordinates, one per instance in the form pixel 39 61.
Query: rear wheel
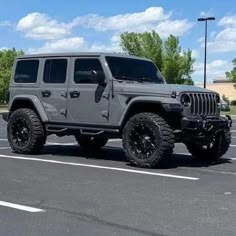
pixel 89 142
pixel 26 134
pixel 146 139
pixel 217 147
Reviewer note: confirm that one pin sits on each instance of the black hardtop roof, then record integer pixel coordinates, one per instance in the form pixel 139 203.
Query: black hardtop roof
pixel 80 54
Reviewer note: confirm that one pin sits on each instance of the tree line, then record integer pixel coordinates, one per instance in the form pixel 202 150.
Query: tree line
pixel 7 58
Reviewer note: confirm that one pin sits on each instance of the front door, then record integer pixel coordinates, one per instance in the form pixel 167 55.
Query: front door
pixel 88 102
pixel 54 88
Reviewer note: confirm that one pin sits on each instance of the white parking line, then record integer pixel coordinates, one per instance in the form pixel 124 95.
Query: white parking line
pixel 2 148
pixel 233 131
pixel 100 167
pixel 3 139
pixel 20 207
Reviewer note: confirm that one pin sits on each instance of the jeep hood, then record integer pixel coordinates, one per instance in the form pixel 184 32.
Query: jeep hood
pixel 160 89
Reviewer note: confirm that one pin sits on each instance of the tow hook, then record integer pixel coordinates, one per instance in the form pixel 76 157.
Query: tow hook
pixel 204 122
pixel 229 120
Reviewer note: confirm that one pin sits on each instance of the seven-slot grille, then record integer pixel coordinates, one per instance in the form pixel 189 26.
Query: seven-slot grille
pixel 203 103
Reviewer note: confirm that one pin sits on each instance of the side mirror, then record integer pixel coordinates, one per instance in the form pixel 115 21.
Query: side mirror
pixel 99 78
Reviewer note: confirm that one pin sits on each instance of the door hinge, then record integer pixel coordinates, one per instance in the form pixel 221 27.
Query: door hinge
pixel 105 114
pixel 106 95
pixel 63 112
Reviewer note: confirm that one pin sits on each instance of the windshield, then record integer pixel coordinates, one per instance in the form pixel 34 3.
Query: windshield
pixel 134 69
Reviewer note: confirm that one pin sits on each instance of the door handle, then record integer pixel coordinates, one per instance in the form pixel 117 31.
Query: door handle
pixel 46 93
pixel 74 94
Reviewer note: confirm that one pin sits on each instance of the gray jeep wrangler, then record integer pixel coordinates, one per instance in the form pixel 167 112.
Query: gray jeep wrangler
pixel 99 96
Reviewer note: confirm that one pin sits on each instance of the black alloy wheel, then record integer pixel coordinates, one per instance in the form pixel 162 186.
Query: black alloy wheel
pixel 25 131
pixel 147 138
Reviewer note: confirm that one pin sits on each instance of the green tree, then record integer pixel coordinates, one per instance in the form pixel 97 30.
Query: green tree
pixel 144 45
pixel 7 58
pixel 175 64
pixel 232 74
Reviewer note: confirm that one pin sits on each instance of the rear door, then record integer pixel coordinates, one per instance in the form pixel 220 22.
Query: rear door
pixel 54 88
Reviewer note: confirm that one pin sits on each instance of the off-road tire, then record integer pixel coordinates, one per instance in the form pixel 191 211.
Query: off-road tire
pixel 218 149
pixel 36 136
pixel 161 132
pixel 90 143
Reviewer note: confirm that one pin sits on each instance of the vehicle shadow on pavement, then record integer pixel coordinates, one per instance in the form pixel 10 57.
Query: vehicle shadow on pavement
pixel 181 160
pixel 117 154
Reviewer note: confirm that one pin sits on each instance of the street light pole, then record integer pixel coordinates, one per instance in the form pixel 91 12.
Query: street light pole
pixel 205 56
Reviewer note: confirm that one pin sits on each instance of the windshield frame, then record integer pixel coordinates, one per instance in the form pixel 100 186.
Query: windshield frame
pixel 159 79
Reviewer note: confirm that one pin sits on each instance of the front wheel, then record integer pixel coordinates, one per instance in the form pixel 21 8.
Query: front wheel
pixel 216 148
pixel 146 139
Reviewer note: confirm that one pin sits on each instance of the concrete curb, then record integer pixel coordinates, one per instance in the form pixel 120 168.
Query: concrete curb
pixel 3 112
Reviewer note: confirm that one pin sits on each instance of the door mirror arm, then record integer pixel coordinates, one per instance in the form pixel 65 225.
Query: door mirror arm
pixel 100 79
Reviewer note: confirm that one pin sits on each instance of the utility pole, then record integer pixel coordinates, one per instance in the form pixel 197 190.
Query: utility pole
pixel 205 56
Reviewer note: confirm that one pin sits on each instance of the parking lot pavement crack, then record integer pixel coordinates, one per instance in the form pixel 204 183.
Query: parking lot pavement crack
pixel 90 218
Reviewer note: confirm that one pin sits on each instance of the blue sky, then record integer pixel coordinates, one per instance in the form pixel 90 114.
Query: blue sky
pixel 79 25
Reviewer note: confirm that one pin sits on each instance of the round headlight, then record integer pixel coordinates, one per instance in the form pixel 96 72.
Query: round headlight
pixel 185 100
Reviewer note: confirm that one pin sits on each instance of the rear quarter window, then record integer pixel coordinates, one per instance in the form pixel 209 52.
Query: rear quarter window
pixel 26 71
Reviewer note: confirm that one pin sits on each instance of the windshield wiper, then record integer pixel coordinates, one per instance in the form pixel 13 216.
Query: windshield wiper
pixel 151 80
pixel 139 79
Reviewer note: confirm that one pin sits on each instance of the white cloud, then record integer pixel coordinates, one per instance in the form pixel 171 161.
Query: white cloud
pixel 225 40
pixel 215 70
pixel 228 21
pixel 40 26
pixel 5 23
pixel 61 45
pixel 207 13
pixel 195 53
pixel 123 22
pixel 177 27
pixel 221 46
pixel 77 44
pixel 153 18
pixel 112 46
pixel 201 40
pixel 228 34
pixel 3 48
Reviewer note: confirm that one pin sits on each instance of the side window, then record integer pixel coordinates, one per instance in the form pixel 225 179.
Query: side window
pixel 83 71
pixel 55 71
pixel 26 71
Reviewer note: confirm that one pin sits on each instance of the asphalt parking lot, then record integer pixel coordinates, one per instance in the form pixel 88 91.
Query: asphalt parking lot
pixel 64 191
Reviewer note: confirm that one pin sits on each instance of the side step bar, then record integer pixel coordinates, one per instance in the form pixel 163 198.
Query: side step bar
pixel 53 128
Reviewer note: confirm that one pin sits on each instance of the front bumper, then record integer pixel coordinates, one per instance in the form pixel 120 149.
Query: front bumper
pixel 206 124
